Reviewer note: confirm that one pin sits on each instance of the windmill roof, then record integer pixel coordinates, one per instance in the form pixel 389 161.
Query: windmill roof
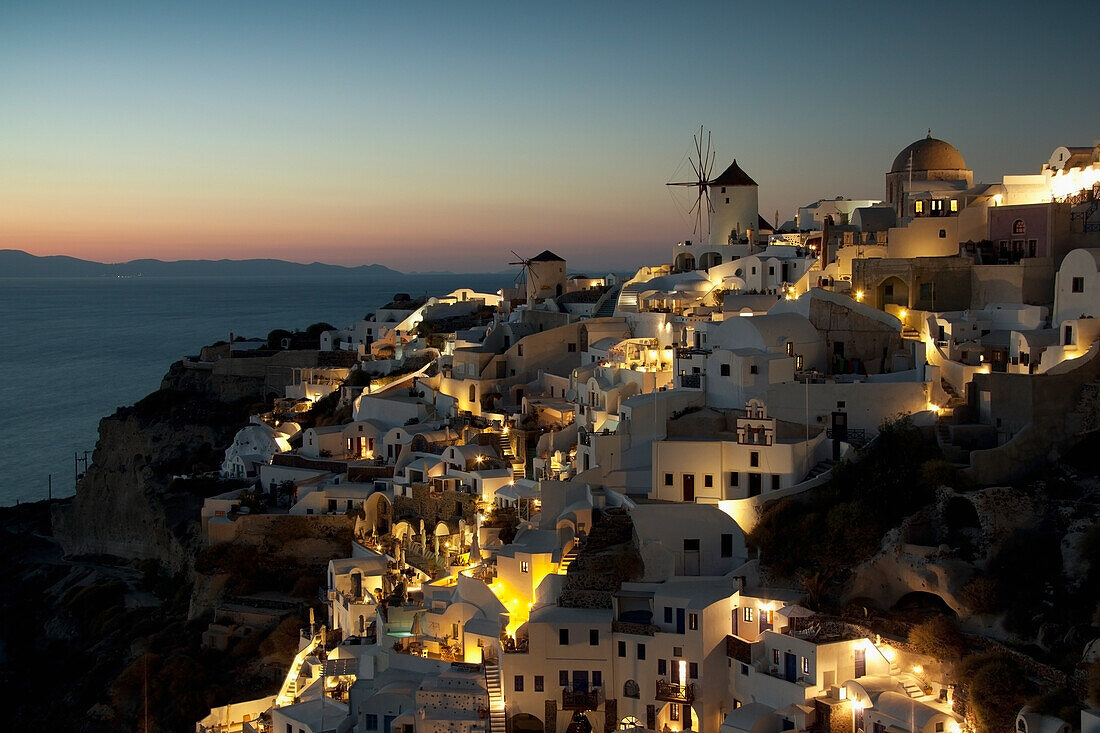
pixel 546 256
pixel 762 223
pixel 733 176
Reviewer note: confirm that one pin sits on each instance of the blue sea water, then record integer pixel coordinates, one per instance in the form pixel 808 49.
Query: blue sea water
pixel 73 350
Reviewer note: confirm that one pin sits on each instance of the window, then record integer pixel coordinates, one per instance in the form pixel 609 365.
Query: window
pixel 1078 285
pixel 918 207
pixel 677 651
pixel 571 348
pixel 597 678
pixel 775 482
pixel 805 665
pixel 668 615
pixel 939 727
pixel 790 348
pixel 753 270
pixel 727 199
pixel 943 234
pixel 775 656
pixel 691 545
pixel 754 369
pixel 693 621
pixel 662 667
pixel 622 649
pixel 593 637
pixel 631 689
pixel 370 720
pixel 725 368
pixel 693 670
pixel 668 479
pixel 708 480
pixel 540 683
pixel 563 677
pixel 745 670
pixel 723 191
pixel 1068 336
pixel 748 614
pixel 754 458
pixel 517 685
pixel 563 637
pixel 641 651
pixel 1018 227
pixel 727 543
pixel 735 477
pixel 954 205
pixel 674 712
pixel 524 567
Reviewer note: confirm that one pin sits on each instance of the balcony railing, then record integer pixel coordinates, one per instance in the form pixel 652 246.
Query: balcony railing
pixel 672 692
pixel 581 699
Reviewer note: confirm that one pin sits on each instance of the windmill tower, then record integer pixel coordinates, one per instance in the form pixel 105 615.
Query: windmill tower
pixel 544 275
pixel 731 199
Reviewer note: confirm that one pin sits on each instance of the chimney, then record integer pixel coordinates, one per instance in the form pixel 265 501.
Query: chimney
pixel 825 231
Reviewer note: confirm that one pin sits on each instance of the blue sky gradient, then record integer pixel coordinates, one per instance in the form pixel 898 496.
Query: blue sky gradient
pixel 442 135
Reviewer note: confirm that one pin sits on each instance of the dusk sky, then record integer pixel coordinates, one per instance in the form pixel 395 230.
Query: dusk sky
pixel 441 136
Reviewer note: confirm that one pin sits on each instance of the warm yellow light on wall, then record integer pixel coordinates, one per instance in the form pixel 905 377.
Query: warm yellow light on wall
pixel 859 295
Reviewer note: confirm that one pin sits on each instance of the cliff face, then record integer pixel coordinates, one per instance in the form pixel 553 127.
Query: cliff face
pixel 127 505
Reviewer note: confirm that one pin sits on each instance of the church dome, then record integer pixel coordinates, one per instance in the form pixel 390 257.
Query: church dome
pixel 929 154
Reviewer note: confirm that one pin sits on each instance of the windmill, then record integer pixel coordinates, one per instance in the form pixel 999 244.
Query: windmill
pixel 703 166
pixel 527 273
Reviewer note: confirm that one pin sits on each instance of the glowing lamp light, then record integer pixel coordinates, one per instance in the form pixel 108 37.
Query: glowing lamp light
pixel 904 313
pixel 859 295
pixel 918 669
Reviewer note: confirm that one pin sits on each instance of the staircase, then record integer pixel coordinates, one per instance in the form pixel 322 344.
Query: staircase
pixel 819 468
pixel 504 445
pixel 497 718
pixel 606 309
pixel 628 298
pixel 912 689
pixel 568 558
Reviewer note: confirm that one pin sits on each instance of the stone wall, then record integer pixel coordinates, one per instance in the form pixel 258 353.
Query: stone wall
pixel 434 507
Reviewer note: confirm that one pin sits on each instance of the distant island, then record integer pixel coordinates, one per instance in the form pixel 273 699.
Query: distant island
pixel 17 263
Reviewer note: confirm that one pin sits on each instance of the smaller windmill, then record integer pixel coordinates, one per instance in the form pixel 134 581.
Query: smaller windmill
pixel 703 166
pixel 527 273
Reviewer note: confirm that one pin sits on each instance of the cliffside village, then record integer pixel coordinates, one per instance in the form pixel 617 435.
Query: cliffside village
pixel 551 485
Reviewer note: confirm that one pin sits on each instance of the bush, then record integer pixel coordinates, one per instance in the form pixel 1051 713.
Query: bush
pixel 998 689
pixel 980 594
pixel 938 637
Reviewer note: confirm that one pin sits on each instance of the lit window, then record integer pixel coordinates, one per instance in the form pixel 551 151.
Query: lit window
pixel 918 206
pixel 748 614
pixel 954 205
pixel 805 665
pixel 1018 227
pixel 524 567
pixel 693 621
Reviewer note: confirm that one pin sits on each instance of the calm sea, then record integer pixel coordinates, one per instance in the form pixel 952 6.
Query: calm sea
pixel 74 350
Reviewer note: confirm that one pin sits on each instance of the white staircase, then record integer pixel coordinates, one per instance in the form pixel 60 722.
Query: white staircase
pixel 497 717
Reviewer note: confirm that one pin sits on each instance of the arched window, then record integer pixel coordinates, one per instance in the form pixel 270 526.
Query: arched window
pixel 629 723
pixel 630 689
pixel 1018 227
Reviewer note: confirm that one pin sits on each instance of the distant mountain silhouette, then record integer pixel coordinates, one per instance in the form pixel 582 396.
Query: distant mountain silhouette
pixel 17 263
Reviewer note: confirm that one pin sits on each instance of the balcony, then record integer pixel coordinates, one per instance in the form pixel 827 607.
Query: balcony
pixel 672 692
pixel 581 699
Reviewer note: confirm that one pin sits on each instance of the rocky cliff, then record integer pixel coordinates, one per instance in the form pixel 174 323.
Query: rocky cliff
pixel 128 505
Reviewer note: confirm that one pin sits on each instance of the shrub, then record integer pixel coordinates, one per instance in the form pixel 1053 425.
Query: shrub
pixel 938 637
pixel 998 689
pixel 980 594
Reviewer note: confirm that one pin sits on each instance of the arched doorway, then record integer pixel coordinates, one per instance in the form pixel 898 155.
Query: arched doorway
pixel 684 261
pixel 893 291
pixel 525 723
pixel 709 259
